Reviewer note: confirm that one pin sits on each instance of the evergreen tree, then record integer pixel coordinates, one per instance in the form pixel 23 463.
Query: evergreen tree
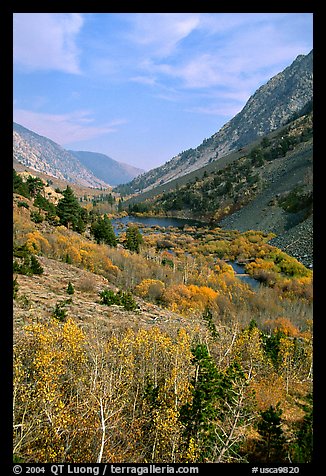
pixel 199 416
pixel 133 238
pixel 19 186
pixel 68 259
pixel 69 210
pixel 208 317
pixel 35 265
pixel 44 204
pixel 103 231
pixel 35 185
pixel 302 449
pixel 70 288
pixel 272 444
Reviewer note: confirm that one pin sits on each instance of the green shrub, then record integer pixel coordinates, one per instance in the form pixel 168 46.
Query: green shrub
pixel 59 311
pixel 70 288
pixel 36 217
pixel 35 265
pixel 296 200
pixel 23 204
pixel 121 298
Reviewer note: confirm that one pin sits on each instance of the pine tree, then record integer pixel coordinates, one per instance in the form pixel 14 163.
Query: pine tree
pixel 272 444
pixel 103 231
pixel 69 210
pixel 35 265
pixel 109 235
pixel 208 317
pixel 302 449
pixel 70 288
pixel 133 238
pixel 199 416
pixel 19 186
pixel 35 185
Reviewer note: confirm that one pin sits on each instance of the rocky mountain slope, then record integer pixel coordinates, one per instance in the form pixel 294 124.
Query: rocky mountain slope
pixel 43 155
pixel 293 229
pixel 267 186
pixel 107 169
pixel 270 107
pixel 87 169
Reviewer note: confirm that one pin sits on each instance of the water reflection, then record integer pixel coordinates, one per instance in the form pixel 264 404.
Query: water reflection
pixel 240 273
pixel 121 223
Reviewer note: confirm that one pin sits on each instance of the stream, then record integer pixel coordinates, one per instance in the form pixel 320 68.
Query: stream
pixel 240 273
pixel 119 224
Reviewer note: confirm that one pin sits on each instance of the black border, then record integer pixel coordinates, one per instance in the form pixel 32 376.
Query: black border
pixel 6 14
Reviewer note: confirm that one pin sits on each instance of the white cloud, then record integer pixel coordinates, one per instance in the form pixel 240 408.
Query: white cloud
pixel 47 41
pixel 142 79
pixel 65 128
pixel 161 32
pixel 224 50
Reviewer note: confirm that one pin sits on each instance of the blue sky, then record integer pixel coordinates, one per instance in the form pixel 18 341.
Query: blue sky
pixel 142 87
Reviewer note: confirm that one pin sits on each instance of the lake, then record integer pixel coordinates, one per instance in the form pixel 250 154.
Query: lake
pixel 119 223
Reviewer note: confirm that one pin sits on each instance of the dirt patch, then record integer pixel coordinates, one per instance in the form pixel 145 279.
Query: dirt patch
pixel 39 294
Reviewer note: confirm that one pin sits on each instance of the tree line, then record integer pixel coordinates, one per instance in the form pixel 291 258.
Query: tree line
pixel 69 213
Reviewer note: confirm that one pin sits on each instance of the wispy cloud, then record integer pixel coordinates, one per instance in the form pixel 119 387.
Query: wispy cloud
pixel 47 41
pixel 161 32
pixel 228 50
pixel 155 69
pixel 65 128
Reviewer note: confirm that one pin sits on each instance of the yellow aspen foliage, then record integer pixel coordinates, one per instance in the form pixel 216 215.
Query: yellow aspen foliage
pixel 260 264
pixel 186 299
pixel 284 325
pixel 287 360
pixel 48 379
pixel 221 267
pixel 87 260
pixel 36 243
pixel 248 349
pixel 193 452
pixel 162 368
pixel 150 288
pixel 108 266
pixel 166 435
pixel 74 254
pixel 60 243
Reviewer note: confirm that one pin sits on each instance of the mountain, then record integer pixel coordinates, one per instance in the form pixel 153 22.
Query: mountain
pixel 267 186
pixel 269 108
pixel 105 168
pixel 43 155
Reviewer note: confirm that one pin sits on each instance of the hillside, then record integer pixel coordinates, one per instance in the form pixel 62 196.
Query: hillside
pixel 107 169
pixel 43 155
pixel 270 107
pixel 92 375
pixel 54 182
pixel 265 186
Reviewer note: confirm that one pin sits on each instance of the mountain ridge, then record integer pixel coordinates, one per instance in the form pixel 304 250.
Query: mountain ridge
pixel 266 186
pixel 270 107
pixel 106 168
pixel 42 154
